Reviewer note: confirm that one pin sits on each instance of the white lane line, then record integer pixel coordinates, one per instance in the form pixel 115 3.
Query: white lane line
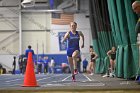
pixel 55 85
pixel 49 77
pixel 102 84
pixel 10 85
pixel 43 79
pixel 9 82
pixel 87 77
pixel 82 74
pixel 124 83
pixel 13 80
pixel 66 78
pixel 51 83
pixel 95 84
pixel 37 80
pixel 14 85
pixel 48 83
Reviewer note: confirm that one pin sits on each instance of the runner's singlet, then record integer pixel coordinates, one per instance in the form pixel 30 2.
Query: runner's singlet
pixel 113 55
pixel 73 43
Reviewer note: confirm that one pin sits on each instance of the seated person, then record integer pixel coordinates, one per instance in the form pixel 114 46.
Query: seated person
pixel 65 68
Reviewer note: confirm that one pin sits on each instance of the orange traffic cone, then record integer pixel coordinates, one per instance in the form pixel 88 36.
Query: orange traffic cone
pixel 29 77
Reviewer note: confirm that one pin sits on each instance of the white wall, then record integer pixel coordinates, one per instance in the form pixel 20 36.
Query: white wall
pixel 7 61
pixel 10 45
pixel 38 40
pixel 9 18
pixel 34 32
pixel 9 39
pixel 36 21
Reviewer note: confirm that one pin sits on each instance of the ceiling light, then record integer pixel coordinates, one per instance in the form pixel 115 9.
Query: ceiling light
pixel 28 3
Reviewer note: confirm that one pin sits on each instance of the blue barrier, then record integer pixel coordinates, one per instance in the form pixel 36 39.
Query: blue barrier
pixel 58 58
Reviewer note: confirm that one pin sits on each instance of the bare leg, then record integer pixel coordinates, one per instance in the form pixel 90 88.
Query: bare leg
pixel 91 68
pixel 111 65
pixel 74 56
pixel 73 63
pixel 71 68
pixel 70 60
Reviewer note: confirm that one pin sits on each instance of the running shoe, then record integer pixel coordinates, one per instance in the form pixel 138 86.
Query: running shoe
pixel 91 74
pixel 75 71
pixel 73 78
pixel 111 75
pixel 106 75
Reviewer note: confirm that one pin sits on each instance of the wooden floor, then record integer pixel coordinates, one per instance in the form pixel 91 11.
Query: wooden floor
pixel 61 83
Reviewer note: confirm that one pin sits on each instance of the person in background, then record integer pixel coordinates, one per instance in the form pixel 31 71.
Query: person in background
pixel 24 64
pixel 73 49
pixel 136 9
pixel 93 56
pixel 65 68
pixel 52 65
pixel 26 55
pixel 85 63
pixel 29 50
pixel 1 69
pixel 14 65
pixel 46 62
pixel 20 62
pixel 112 56
pixel 42 69
pixel 39 65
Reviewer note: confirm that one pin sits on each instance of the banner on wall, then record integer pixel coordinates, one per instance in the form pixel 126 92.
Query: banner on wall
pixel 62 46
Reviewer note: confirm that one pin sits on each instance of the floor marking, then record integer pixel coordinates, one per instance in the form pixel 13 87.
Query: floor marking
pixel 10 85
pixel 66 78
pixel 87 77
pixel 9 77
pixel 48 77
pixel 96 84
pixel 124 83
pixel 43 79
pixel 15 85
pixel 101 84
pixel 49 83
pixel 55 85
pixel 13 80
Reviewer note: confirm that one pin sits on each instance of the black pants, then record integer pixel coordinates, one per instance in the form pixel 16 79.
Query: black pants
pixel 14 70
pixel 137 28
pixel 39 68
pixel 45 68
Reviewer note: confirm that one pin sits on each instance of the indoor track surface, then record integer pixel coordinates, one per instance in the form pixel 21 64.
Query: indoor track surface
pixel 64 82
